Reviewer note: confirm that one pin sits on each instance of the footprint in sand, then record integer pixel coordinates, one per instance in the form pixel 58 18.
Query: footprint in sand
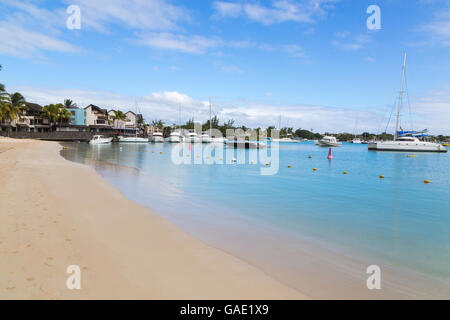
pixel 68 239
pixel 85 268
pixel 28 245
pixel 10 288
pixel 30 279
pixel 49 258
pixel 55 221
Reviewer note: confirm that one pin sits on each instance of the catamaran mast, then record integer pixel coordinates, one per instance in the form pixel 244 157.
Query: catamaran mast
pixel 400 100
pixel 210 125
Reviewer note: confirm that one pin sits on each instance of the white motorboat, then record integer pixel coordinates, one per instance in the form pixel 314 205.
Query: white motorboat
pixel 133 140
pixel 405 140
pixel 175 137
pixel 99 139
pixel 193 137
pixel 206 138
pixel 357 141
pixel 157 137
pixel 329 141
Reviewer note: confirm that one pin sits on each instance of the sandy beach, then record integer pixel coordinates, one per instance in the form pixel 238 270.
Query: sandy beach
pixel 55 213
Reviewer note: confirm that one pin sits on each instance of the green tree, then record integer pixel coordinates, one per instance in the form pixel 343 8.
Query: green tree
pixel 64 115
pixel 158 124
pixel 69 104
pixel 118 116
pixel 13 107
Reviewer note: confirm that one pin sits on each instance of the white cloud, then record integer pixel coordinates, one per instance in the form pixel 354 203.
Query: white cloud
pixel 27 30
pixel 227 9
pixel 431 111
pixel 438 30
pixel 305 11
pixel 342 41
pixel 20 42
pixel 178 42
pixel 132 14
pixel 231 69
pixel 195 44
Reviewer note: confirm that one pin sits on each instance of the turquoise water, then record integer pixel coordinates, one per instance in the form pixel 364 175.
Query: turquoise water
pixel 398 220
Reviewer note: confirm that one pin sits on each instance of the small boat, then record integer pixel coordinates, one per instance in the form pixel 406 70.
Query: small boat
pixel 357 141
pixel 175 137
pixel 193 137
pixel 206 138
pixel 133 140
pixel 329 141
pixel 157 137
pixel 99 139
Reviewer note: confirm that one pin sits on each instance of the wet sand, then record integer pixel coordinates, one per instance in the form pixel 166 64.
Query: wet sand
pixel 55 213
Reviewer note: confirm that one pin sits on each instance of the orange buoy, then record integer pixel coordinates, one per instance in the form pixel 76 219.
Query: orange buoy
pixel 314 169
pixel 427 181
pixel 381 177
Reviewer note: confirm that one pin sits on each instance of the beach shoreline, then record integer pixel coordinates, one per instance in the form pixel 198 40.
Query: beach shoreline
pixel 55 213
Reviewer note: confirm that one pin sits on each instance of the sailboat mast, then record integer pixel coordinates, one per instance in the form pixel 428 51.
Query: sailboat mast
pixel 400 100
pixel 210 124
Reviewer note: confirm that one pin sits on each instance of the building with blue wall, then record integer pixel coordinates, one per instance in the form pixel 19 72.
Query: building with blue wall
pixel 78 116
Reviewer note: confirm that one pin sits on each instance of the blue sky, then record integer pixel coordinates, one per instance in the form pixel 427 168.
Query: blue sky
pixel 314 62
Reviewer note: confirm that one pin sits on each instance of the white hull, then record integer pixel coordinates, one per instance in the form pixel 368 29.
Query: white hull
pixel 96 141
pixel 158 139
pixel 414 146
pixel 132 140
pixel 285 140
pixel 175 139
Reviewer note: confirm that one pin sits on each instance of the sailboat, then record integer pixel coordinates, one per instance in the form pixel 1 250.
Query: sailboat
pixel 134 139
pixel 405 140
pixel 176 136
pixel 206 138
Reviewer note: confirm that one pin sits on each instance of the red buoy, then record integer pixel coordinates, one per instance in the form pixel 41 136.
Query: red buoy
pixel 330 156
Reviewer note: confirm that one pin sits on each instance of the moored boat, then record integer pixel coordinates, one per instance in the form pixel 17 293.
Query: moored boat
pixel 133 140
pixel 406 140
pixel 329 141
pixel 157 137
pixel 99 139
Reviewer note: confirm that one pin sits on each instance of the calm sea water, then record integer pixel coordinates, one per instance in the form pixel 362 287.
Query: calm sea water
pixel 398 222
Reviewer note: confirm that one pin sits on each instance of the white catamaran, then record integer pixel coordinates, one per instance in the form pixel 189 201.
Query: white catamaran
pixel 405 140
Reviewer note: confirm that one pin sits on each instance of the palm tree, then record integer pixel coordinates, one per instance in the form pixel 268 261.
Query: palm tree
pixel 64 115
pixel 158 124
pixel 12 106
pixel 69 104
pixel 118 116
pixel 51 111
